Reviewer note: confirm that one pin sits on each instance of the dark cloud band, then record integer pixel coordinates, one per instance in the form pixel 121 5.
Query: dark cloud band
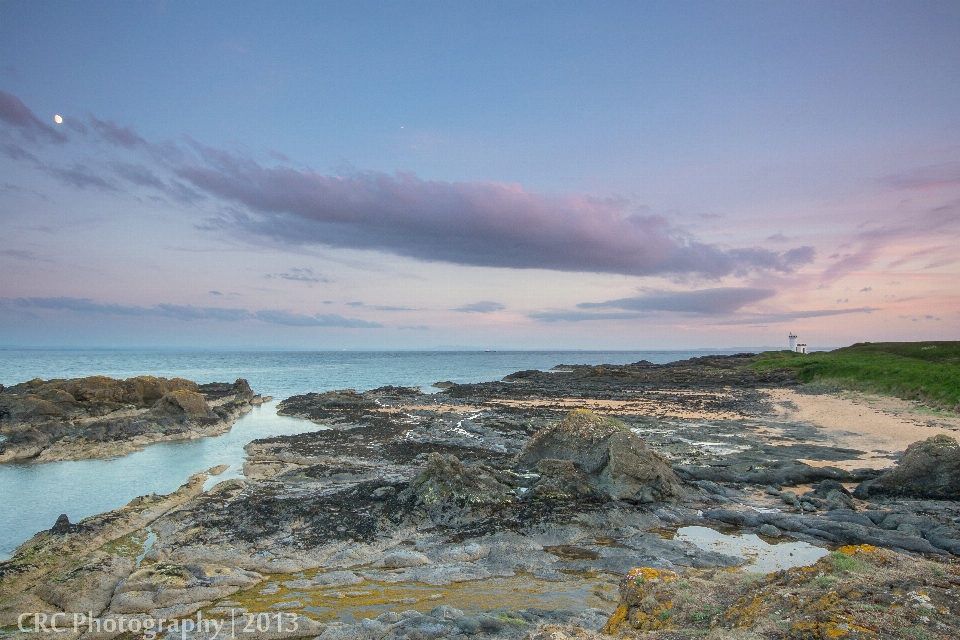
pixel 774 318
pixel 483 224
pixel 484 306
pixel 19 116
pixel 470 223
pixel 721 300
pixel 189 312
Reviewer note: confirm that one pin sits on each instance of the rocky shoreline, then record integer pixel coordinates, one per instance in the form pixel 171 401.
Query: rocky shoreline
pixel 101 417
pixel 546 505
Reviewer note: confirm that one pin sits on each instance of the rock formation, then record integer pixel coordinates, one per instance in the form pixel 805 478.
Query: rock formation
pixel 616 463
pixel 446 479
pixel 929 469
pixel 99 417
pixel 858 591
pixel 405 506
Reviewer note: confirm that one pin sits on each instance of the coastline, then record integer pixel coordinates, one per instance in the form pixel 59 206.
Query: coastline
pixel 462 487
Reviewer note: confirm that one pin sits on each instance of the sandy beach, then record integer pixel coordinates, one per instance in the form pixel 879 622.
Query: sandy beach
pixel 879 425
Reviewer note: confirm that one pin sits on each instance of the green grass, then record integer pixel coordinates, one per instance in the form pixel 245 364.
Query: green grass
pixel 925 371
pixel 705 614
pixel 824 581
pixel 510 618
pixel 750 577
pixel 843 562
pixel 918 632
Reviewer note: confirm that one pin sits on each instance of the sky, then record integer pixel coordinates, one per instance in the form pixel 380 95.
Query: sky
pixel 501 175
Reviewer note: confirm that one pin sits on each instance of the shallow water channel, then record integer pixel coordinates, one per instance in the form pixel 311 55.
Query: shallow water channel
pixel 761 556
pixel 33 495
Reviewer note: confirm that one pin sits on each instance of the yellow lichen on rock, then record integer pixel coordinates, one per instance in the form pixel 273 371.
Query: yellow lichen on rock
pixel 646 604
pixel 646 574
pixel 854 549
pixel 855 592
pixel 588 424
pixel 746 611
pixel 617 619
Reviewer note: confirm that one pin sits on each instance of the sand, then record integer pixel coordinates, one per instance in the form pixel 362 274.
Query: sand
pixel 880 426
pixel 661 407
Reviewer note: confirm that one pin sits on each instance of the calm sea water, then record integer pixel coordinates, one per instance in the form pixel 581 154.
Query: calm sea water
pixel 33 495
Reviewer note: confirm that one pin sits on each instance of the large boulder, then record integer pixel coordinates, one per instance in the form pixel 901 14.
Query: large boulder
pixel 580 437
pixel 560 479
pixel 146 390
pixel 96 390
pixel 616 463
pixel 634 472
pixel 929 469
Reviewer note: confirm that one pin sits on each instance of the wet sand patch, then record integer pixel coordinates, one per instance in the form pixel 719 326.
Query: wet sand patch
pixel 660 406
pixel 860 423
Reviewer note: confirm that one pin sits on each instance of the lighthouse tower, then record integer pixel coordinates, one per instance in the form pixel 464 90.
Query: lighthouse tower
pixel 793 341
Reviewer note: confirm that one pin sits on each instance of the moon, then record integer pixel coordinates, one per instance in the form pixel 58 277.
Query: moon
pixel 58 119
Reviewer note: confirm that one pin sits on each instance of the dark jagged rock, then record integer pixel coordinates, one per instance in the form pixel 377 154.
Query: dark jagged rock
pixel 240 390
pixel 446 480
pixel 62 526
pixel 605 381
pixel 842 526
pixel 928 469
pixel 835 496
pixel 768 472
pixel 839 500
pixel 826 487
pixel 321 407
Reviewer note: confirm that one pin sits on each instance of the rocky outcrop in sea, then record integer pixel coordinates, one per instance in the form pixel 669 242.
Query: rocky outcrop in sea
pixel 101 417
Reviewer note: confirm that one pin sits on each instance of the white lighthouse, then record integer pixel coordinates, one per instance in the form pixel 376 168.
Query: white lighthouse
pixel 793 341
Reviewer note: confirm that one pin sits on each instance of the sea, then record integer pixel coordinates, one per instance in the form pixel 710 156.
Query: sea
pixel 32 496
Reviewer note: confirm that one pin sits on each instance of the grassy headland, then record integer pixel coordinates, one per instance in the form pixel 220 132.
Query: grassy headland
pixel 925 371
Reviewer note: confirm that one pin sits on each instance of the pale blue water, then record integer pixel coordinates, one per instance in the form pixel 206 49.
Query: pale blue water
pixel 33 495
